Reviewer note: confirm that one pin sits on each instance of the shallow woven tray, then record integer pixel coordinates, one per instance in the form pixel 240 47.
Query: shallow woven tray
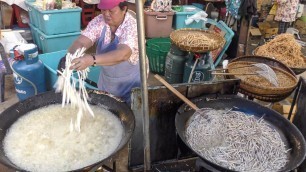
pixel 258 85
pixel 266 60
pixel 189 39
pixel 296 70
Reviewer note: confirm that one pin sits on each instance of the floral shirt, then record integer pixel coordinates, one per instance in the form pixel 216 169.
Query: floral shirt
pixel 286 10
pixel 126 32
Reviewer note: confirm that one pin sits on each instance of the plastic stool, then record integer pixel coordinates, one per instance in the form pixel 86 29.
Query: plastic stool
pixel 16 16
pixel 88 12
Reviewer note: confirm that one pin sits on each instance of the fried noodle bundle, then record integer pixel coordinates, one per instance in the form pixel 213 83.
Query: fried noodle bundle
pixel 285 49
pixel 195 39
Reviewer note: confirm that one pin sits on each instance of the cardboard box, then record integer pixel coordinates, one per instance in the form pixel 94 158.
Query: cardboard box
pixel 270 17
pixel 284 110
pixel 301 26
pixel 6 13
pixel 270 32
pixel 263 26
pixel 268 29
pixel 255 32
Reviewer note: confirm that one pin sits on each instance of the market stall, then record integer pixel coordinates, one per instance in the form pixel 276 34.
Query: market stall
pixel 188 50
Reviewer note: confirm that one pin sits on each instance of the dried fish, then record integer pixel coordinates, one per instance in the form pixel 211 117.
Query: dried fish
pixel 236 141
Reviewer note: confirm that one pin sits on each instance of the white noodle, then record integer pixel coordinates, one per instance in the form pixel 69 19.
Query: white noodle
pixel 40 140
pixel 67 85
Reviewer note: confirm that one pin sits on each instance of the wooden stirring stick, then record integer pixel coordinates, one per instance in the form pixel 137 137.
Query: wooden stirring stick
pixel 178 94
pixel 234 73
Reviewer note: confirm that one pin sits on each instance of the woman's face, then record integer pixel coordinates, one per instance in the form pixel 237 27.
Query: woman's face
pixel 114 16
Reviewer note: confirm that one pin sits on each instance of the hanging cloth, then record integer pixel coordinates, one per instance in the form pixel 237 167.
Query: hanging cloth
pixel 232 7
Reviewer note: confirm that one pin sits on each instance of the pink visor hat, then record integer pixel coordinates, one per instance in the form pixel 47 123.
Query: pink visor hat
pixel 108 4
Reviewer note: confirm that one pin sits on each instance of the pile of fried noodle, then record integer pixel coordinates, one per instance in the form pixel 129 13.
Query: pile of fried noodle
pixel 285 49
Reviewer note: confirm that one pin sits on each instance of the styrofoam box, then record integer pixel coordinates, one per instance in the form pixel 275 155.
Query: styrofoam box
pixel 51 43
pixel 51 60
pixel 180 17
pixel 52 22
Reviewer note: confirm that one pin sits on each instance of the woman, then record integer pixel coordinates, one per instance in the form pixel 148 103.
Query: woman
pixel 115 32
pixel 285 14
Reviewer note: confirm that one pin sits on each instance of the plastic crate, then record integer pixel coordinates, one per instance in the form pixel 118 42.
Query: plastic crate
pixel 201 6
pixel 52 22
pixel 51 60
pixel 32 13
pixel 35 36
pixel 157 50
pixel 180 17
pixel 51 43
pixel 229 34
pixel 158 24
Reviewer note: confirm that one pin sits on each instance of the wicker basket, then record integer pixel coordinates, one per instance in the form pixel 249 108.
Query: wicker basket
pixel 189 39
pixel 266 60
pixel 258 85
pixel 266 98
pixel 296 70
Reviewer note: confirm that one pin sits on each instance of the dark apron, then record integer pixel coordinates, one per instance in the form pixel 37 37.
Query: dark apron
pixel 117 79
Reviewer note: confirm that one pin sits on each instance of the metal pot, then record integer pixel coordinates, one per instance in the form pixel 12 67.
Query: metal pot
pixel 121 110
pixel 289 133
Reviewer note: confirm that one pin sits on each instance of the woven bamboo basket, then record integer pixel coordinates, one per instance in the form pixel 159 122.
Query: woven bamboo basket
pixel 296 70
pixel 196 40
pixel 266 98
pixel 258 85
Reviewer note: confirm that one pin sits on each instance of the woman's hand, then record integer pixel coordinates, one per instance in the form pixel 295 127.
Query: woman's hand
pixel 82 62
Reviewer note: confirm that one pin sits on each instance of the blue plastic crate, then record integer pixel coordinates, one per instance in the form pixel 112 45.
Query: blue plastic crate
pixel 180 17
pixel 33 11
pixel 53 22
pixel 51 60
pixel 229 34
pixel 35 35
pixel 201 6
pixel 51 43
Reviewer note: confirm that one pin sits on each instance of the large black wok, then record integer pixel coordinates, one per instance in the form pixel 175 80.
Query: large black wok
pixel 121 110
pixel 289 133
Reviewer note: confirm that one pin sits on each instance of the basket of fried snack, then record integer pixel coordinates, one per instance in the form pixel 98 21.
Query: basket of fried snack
pixel 196 40
pixel 257 84
pixel 285 49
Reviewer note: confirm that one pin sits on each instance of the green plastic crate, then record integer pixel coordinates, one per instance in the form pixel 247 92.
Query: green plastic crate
pixel 157 50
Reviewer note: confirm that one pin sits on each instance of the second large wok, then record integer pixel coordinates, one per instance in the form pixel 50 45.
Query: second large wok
pixel 289 133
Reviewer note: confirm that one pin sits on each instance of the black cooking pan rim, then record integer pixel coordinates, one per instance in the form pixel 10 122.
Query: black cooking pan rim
pixel 225 101
pixel 120 109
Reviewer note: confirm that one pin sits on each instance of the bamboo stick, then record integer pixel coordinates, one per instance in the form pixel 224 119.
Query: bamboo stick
pixel 178 94
pixel 234 73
